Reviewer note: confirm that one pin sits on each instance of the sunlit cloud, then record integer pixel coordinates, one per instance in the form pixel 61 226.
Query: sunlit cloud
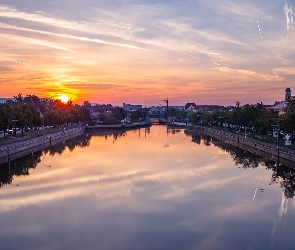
pixel 250 73
pixel 35 41
pixel 38 17
pixel 142 51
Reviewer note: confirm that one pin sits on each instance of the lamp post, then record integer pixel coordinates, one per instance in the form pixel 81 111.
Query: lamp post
pixel 220 117
pixel 278 137
pixel 14 129
pixel 42 123
pixel 201 119
pixel 167 102
pixel 42 116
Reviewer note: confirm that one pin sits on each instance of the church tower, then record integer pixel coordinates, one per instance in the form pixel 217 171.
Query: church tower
pixel 288 94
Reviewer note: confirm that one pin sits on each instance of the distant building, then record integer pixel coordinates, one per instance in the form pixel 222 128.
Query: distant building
pixel 96 109
pixel 190 107
pixel 203 108
pixel 279 106
pixel 177 107
pixel 210 108
pixel 288 94
pixel 131 107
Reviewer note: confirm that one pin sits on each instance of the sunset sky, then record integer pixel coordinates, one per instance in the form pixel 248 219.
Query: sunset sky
pixel 141 52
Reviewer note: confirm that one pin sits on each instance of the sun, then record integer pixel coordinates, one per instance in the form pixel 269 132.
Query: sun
pixel 64 98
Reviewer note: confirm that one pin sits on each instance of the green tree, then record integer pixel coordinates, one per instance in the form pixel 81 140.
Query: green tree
pixel 135 115
pixel 287 120
pixel 249 113
pixel 6 115
pixel 119 114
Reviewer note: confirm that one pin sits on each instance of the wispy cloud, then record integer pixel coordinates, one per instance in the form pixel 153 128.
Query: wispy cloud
pixel 70 25
pixel 265 77
pixel 35 41
pixel 289 17
pixel 6 26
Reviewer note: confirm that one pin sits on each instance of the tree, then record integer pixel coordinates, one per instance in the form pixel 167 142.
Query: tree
pixel 119 114
pixel 262 125
pixel 135 115
pixel 6 117
pixel 287 120
pixel 249 114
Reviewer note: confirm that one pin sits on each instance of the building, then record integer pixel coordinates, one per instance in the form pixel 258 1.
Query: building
pixel 131 107
pixel 288 94
pixel 3 100
pixel 203 108
pixel 279 106
pixel 96 109
pixel 190 107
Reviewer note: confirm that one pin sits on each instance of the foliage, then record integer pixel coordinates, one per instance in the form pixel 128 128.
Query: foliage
pixel 33 111
pixel 119 113
pixel 287 121
pixel 135 115
pixel 178 114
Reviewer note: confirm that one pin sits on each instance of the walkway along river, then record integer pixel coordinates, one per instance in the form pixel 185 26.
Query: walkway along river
pixel 18 149
pixel 267 150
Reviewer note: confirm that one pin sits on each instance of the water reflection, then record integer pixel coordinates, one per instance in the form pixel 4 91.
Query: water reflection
pixel 283 175
pixel 129 191
pixel 22 166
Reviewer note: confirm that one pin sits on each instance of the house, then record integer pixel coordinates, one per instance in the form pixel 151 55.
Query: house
pixel 279 106
pixel 203 108
pixel 190 107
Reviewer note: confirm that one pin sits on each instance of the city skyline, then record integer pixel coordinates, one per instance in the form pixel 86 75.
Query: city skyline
pixel 142 52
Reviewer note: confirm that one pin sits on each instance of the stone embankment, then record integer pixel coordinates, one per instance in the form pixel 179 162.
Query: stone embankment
pixel 18 149
pixel 267 150
pixel 284 155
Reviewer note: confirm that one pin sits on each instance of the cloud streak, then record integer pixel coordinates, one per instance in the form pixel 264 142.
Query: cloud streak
pixel 35 41
pixel 5 26
pixel 289 17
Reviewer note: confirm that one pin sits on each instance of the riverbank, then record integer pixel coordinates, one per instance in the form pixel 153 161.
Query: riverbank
pixel 117 127
pixel 19 148
pixel 269 150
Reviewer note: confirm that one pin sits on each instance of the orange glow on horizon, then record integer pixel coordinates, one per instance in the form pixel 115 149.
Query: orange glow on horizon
pixel 64 98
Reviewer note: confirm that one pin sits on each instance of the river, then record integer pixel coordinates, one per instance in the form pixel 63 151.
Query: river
pixel 146 189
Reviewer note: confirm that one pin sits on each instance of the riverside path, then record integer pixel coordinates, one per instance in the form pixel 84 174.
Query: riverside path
pixel 268 150
pixel 27 145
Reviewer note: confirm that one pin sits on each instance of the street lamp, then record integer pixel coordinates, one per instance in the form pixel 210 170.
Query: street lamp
pixel 167 102
pixel 220 117
pixel 42 123
pixel 14 130
pixel 201 119
pixel 278 136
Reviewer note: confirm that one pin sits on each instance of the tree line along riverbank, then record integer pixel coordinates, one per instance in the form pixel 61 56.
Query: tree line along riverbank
pixel 269 150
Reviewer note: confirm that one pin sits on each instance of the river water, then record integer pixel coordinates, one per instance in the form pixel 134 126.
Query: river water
pixel 146 189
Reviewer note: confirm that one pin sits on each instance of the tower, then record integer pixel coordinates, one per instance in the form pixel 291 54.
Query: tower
pixel 288 94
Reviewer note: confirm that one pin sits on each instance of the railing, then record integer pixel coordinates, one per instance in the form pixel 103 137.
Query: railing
pixel 24 147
